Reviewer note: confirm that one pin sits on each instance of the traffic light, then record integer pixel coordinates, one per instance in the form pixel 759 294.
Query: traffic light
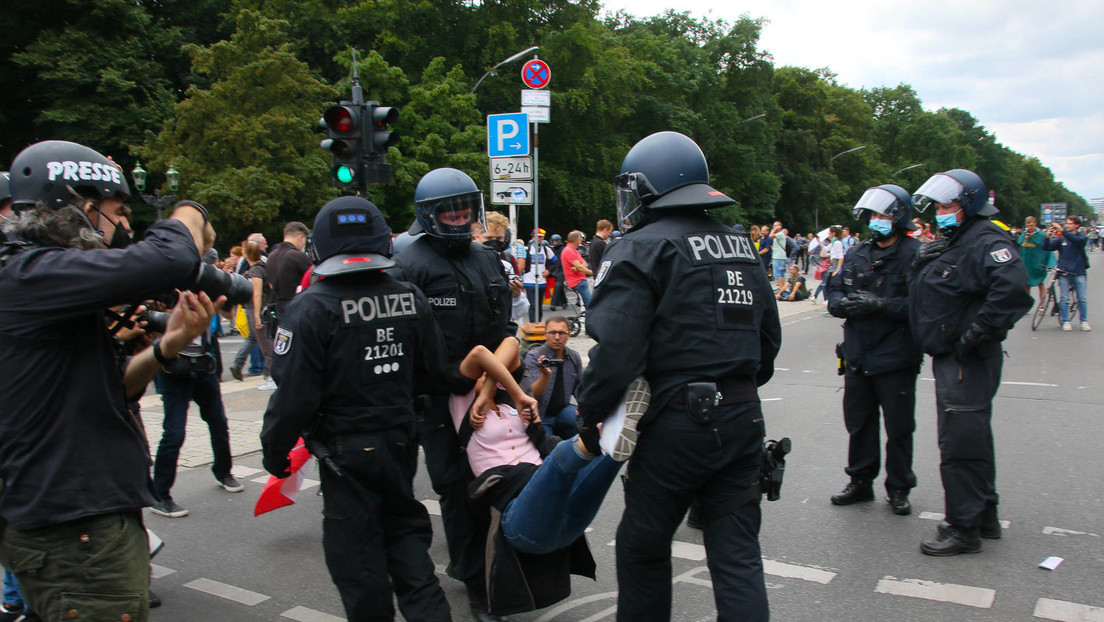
pixel 381 136
pixel 345 136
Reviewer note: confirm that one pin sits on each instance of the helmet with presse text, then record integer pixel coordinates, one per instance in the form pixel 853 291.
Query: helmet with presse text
pixel 56 172
pixel 666 170
pixel 446 203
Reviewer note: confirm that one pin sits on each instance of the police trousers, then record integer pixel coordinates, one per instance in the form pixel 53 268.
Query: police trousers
pixel 94 568
pixel 675 462
pixel 376 535
pixel 894 395
pixel 964 399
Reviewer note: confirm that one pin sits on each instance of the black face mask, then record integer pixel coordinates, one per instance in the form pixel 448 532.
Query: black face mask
pixel 120 239
pixel 497 246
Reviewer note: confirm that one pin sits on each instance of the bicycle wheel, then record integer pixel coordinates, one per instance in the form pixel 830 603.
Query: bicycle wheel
pixel 574 326
pixel 1039 313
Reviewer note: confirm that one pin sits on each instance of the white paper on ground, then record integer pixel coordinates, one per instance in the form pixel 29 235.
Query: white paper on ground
pixel 1051 563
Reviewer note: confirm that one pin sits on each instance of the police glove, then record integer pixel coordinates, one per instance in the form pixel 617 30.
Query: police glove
pixel 276 463
pixel 971 340
pixel 859 304
pixel 930 250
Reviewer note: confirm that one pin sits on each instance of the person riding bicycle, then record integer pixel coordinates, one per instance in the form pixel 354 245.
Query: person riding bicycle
pixel 1072 264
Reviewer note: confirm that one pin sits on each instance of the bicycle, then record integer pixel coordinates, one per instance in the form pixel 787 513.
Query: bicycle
pixel 576 323
pixel 1051 302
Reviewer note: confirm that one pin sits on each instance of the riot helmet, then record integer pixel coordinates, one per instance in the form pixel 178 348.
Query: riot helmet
pixel 5 187
pixel 56 172
pixel 402 241
pixel 887 200
pixel 955 185
pixel 666 170
pixel 446 203
pixel 350 235
pixel 556 239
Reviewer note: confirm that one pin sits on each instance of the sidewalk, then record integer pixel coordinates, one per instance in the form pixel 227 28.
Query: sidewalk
pixel 245 404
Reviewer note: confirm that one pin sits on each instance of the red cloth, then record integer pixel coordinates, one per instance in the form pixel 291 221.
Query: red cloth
pixel 278 492
pixel 568 256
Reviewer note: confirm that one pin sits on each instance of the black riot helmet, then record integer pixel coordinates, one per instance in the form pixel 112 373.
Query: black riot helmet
pixel 956 185
pixel 350 235
pixel 5 187
pixel 56 172
pixel 446 203
pixel 888 200
pixel 666 170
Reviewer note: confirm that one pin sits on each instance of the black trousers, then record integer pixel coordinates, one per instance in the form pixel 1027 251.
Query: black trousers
pixel 893 394
pixel 964 399
pixel 676 461
pixel 376 535
pixel 559 294
pixel 465 524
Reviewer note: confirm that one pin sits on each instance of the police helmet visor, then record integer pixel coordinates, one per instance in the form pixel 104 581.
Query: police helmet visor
pixel 453 216
pixel 939 188
pixel 878 201
pixel 633 192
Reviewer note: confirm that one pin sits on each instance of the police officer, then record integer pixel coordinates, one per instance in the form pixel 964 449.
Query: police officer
pixel 879 354
pixel 968 291
pixel 75 464
pixel 683 300
pixel 467 288
pixel 350 354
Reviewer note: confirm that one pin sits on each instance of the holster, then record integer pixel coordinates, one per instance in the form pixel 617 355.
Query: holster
pixel 702 399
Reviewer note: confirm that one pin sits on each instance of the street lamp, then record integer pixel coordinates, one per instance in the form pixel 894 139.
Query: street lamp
pixel 492 72
pixel 860 148
pixel 907 168
pixel 816 216
pixel 156 200
pixel 750 119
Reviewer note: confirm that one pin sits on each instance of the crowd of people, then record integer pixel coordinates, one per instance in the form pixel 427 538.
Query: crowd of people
pixel 373 344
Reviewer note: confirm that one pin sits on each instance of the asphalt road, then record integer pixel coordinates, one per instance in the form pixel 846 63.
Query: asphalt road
pixel 824 563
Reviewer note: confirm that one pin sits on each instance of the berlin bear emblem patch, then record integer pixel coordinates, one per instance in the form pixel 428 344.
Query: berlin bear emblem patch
pixel 283 341
pixel 1001 256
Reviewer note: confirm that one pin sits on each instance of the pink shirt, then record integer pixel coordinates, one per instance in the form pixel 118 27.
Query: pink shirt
pixel 568 255
pixel 502 439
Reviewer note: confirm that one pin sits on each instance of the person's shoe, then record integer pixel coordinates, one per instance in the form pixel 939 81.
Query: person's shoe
pixel 990 523
pixel 899 502
pixel 621 426
pixel 1066 326
pixel 154 600
pixel 854 493
pixel 235 371
pixel 229 483
pixel 952 540
pixel 168 508
pixel 10 613
pixel 1085 327
pixel 267 385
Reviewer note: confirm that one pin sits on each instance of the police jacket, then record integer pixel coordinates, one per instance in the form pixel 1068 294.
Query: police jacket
pixel 353 349
pixel 69 447
pixel 883 343
pixel 681 299
pixel 469 296
pixel 979 279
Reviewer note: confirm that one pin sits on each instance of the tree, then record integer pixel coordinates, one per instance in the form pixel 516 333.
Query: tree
pixel 244 146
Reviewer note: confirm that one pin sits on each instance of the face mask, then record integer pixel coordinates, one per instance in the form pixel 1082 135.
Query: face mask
pixel 120 239
pixel 883 227
pixel 497 246
pixel 946 221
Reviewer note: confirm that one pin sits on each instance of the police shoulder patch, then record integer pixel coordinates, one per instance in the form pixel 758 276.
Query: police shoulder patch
pixel 602 272
pixel 1002 255
pixel 282 343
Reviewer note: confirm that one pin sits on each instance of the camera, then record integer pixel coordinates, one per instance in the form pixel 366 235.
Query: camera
pixel 215 282
pixel 549 363
pixel 773 467
pixel 156 321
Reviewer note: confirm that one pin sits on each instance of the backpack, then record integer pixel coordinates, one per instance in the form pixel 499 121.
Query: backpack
pixel 791 247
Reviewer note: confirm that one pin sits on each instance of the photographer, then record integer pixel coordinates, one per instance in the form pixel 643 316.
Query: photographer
pixel 1072 264
pixel 557 365
pixel 75 463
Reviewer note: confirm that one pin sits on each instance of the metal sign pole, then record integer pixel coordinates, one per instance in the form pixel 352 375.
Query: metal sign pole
pixel 536 220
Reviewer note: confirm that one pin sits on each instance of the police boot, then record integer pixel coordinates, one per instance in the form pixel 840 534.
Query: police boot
pixel 952 540
pixel 990 523
pixel 855 492
pixel 899 502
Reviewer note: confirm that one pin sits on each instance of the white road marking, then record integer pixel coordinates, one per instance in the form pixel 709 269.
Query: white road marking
pixel 159 571
pixel 793 571
pixel 244 471
pixel 781 369
pixel 309 483
pixel 229 592
pixel 979 597
pixel 432 506
pixel 1005 524
pixel 1067 612
pixel 770 399
pixel 552 613
pixel 261 480
pixel 687 550
pixel 605 613
pixel 303 614
pixel 1029 384
pixel 1058 531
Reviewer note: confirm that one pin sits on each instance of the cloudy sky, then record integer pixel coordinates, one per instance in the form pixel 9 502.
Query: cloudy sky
pixel 1031 72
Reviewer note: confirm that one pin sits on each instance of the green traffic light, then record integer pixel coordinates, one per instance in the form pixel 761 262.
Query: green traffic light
pixel 344 174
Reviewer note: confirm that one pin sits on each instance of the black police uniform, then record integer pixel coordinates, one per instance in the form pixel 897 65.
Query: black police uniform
pixel 685 299
pixel 350 353
pixel 471 301
pixel 882 362
pixel 979 279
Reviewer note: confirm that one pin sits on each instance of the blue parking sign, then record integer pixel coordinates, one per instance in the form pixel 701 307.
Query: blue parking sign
pixel 507 135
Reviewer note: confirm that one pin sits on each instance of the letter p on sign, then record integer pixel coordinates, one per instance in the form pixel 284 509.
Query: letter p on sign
pixel 507 135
